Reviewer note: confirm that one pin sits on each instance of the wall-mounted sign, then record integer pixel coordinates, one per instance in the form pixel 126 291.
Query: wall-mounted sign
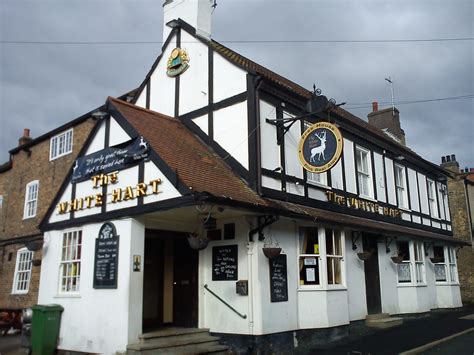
pixel 278 279
pixel 137 263
pixel 363 205
pixel 178 62
pixel 106 257
pixel 110 159
pixel 117 195
pixel 224 263
pixel 320 147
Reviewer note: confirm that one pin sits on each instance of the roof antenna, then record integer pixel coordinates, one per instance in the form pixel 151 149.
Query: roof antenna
pixel 389 79
pixel 214 5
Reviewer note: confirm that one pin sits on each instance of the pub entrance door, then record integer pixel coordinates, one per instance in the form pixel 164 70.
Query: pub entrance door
pixel 170 281
pixel 372 274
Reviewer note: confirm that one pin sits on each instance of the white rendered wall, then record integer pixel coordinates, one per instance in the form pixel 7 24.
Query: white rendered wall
pixel 392 199
pixel 231 131
pixel 292 139
pixel 117 133
pixel 270 155
pixel 388 280
pixel 116 313
pixel 379 177
pixel 356 297
pixel 193 86
pixel 162 92
pixel 349 166
pixel 336 176
pixel 448 296
pixel 225 73
pixel 126 177
pixel 98 142
pixel 203 123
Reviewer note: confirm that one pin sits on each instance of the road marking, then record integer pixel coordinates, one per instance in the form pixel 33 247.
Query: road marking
pixel 470 317
pixel 434 343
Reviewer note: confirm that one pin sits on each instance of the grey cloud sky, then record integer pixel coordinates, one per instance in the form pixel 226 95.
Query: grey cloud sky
pixel 43 86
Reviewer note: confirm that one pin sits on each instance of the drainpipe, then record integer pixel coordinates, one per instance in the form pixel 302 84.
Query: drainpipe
pixel 250 248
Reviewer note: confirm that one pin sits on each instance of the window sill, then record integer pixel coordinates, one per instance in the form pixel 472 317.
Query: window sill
pixel 19 293
pixel 412 285
pixel 319 184
pixel 404 209
pixel 65 295
pixel 320 288
pixel 368 198
pixel 442 283
pixel 30 217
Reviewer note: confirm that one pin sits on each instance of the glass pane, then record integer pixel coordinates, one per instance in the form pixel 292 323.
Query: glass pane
pixel 309 241
pixel 309 271
pixel 438 253
pixel 404 272
pixel 440 272
pixel 331 271
pixel 329 242
pixel 403 250
pixel 338 243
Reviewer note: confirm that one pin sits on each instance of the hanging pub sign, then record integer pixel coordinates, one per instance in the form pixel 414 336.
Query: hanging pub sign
pixel 110 159
pixel 106 257
pixel 320 147
pixel 178 62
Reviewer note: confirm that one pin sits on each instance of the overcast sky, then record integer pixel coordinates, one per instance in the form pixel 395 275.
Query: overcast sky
pixel 45 85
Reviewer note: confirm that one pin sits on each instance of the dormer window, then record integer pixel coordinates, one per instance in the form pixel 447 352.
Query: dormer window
pixel 61 145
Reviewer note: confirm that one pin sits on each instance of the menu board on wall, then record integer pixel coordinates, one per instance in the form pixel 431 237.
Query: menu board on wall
pixel 224 263
pixel 278 279
pixel 106 257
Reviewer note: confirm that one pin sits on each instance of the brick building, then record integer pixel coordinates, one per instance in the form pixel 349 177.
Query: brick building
pixel 461 200
pixel 28 183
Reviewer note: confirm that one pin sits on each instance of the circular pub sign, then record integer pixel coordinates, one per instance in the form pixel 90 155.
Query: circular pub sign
pixel 320 147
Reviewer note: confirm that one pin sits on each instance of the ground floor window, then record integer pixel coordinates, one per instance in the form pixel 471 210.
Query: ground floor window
pixel 70 269
pixel 411 270
pixel 21 279
pixel 321 260
pixel 444 259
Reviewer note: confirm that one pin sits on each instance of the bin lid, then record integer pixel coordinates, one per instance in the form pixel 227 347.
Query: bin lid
pixel 48 308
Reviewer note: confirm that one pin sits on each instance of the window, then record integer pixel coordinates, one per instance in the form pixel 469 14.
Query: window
pixel 444 259
pixel 70 268
pixel 1 201
pixel 401 186
pixel 21 280
pixel 315 178
pixel 31 199
pixel 364 175
pixel 432 199
pixel 321 257
pixel 334 256
pixel 309 257
pixel 412 268
pixel 60 145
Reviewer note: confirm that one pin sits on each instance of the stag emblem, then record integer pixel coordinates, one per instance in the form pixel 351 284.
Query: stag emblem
pixel 319 150
pixel 143 143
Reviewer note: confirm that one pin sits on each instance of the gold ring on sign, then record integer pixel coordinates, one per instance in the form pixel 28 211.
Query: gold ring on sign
pixel 175 53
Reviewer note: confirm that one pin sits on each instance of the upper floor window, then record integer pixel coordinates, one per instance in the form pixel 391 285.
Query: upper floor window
pixel 401 186
pixel 31 199
pixel 60 145
pixel 1 201
pixel 432 198
pixel 316 178
pixel 364 172
pixel 21 279
pixel 70 268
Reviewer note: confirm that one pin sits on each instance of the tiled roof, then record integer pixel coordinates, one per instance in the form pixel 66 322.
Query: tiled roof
pixel 196 165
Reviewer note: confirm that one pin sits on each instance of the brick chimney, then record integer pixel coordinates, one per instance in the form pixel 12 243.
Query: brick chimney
pixel 449 162
pixel 25 138
pixel 388 120
pixel 197 13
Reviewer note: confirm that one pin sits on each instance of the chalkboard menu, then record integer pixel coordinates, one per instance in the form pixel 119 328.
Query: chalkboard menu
pixel 106 257
pixel 278 279
pixel 224 263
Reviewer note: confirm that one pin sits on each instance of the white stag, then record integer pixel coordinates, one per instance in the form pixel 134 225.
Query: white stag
pixel 319 151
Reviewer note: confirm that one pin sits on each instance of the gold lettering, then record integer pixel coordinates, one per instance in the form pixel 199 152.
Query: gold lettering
pixel 62 207
pixel 154 185
pixel 116 195
pixel 95 180
pixel 89 201
pixel 113 177
pixel 128 195
pixel 98 200
pixel 141 189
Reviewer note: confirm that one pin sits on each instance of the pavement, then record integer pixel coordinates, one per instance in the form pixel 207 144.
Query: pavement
pixel 440 332
pixel 430 333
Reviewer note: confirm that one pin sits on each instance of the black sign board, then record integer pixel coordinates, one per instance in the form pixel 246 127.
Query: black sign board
pixel 278 279
pixel 110 159
pixel 224 263
pixel 106 257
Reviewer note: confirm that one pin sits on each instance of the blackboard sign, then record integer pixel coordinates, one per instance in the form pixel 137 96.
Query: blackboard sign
pixel 106 257
pixel 224 263
pixel 278 279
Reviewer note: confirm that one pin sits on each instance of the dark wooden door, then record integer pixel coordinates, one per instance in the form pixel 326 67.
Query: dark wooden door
pixel 185 284
pixel 153 284
pixel 372 275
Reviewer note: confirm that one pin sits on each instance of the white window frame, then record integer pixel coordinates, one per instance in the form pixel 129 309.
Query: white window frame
pixel 61 144
pixel 70 264
pixel 323 259
pixel 415 263
pixel 401 185
pixel 432 200
pixel 31 199
pixel 364 174
pixel 449 264
pixel 22 276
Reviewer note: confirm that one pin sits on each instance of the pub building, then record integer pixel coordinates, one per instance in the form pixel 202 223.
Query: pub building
pixel 226 197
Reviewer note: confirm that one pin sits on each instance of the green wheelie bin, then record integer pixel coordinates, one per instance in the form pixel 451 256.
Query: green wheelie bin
pixel 45 328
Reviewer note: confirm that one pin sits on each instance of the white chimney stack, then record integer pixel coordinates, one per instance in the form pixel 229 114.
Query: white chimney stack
pixel 197 13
